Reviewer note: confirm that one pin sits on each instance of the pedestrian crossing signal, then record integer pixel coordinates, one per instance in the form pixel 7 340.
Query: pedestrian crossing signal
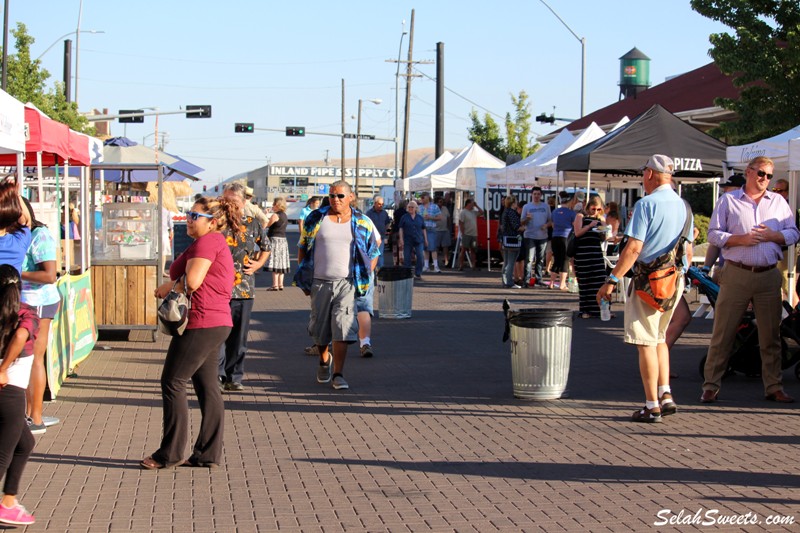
pixel 295 131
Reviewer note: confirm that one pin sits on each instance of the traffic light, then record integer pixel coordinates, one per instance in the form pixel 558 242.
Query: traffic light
pixel 295 131
pixel 204 188
pixel 545 119
pixel 244 127
pixel 200 111
pixel 131 120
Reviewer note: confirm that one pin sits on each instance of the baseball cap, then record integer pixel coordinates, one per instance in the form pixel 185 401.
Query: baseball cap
pixel 660 163
pixel 580 195
pixel 736 180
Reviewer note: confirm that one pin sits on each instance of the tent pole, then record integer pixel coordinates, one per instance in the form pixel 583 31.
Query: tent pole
pixel 791 260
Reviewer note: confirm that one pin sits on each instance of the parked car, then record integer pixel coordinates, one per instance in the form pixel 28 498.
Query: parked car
pixel 293 210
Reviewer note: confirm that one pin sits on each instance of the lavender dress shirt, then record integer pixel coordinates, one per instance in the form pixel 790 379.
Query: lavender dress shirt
pixel 736 214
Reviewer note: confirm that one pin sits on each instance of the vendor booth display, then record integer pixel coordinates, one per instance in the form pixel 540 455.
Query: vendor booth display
pixel 128 245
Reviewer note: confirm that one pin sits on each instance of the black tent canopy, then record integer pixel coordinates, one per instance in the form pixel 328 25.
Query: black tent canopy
pixel 656 131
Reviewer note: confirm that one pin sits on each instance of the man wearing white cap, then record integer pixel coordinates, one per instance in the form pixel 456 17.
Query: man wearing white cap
pixel 656 228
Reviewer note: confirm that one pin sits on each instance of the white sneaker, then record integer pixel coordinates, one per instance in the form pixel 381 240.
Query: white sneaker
pixel 436 269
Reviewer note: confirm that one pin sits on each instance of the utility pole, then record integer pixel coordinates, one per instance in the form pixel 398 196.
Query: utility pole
pixel 343 131
pixel 409 66
pixel 439 99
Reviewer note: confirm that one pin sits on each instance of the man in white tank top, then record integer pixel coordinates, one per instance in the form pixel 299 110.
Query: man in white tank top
pixel 337 253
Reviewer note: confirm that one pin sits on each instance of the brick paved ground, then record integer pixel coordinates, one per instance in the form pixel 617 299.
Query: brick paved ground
pixel 428 438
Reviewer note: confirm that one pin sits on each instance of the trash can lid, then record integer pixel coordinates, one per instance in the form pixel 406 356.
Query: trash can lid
pixel 395 273
pixel 541 318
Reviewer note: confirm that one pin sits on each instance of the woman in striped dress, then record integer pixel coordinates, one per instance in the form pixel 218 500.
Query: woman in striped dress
pixel 589 263
pixel 276 231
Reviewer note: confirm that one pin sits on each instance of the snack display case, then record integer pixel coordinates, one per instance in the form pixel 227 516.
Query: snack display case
pixel 125 266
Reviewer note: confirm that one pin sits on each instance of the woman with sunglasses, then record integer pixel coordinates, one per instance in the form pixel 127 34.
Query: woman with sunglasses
pixel 590 266
pixel 205 272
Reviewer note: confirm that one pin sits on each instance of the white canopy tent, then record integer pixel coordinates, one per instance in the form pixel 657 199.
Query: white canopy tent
pixel 547 168
pixel 461 165
pixel 401 184
pixel 514 175
pixel 784 150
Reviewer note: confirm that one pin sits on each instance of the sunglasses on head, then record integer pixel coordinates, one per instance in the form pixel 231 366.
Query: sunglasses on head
pixel 194 215
pixel 761 173
pixel 340 196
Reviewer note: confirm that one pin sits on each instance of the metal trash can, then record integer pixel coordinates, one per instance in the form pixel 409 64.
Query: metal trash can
pixel 541 343
pixel 395 286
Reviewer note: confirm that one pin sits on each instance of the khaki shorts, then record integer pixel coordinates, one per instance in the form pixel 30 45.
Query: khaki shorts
pixel 644 325
pixel 333 312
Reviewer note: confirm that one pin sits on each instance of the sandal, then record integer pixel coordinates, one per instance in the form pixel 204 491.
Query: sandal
pixel 148 463
pixel 586 315
pixel 280 288
pixel 274 289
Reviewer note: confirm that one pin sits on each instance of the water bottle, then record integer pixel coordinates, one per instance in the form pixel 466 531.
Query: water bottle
pixel 605 310
pixel 573 285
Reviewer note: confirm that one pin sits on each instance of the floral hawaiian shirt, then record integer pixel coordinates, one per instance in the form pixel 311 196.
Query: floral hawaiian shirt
pixel 245 248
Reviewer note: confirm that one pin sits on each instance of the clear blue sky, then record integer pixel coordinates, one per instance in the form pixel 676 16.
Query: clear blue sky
pixel 280 64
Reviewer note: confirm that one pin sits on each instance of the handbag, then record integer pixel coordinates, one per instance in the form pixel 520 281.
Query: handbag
pixel 173 312
pixel 656 282
pixel 514 241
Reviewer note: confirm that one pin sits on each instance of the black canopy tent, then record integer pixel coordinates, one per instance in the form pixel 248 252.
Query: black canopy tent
pixel 656 131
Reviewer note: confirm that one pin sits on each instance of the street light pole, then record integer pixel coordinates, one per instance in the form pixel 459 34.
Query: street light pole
pixel 582 40
pixel 65 35
pixel 78 50
pixel 375 101
pixel 397 105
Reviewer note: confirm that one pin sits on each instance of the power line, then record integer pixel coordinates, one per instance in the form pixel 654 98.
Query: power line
pixel 462 96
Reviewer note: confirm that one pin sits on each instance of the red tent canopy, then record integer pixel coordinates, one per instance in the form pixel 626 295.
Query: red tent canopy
pixel 57 143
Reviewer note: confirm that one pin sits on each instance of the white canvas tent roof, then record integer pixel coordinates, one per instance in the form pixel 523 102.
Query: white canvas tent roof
pixel 776 148
pixel 514 175
pixel 462 165
pixel 547 168
pixel 402 184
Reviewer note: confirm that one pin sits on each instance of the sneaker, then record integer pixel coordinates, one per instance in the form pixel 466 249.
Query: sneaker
pixel 311 350
pixel 50 421
pixel 515 286
pixel 339 383
pixel 324 373
pixel 646 415
pixel 233 386
pixel 541 283
pixel 366 351
pixel 36 429
pixel 436 270
pixel 17 515
pixel 668 406
pixel 222 384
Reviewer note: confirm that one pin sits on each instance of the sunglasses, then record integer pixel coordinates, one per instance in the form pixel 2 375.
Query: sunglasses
pixel 778 189
pixel 340 196
pixel 761 173
pixel 194 215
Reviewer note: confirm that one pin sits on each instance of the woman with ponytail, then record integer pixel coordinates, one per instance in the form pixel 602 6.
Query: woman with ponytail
pixel 18 327
pixel 205 272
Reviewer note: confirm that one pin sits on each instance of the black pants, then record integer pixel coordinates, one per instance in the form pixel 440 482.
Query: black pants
pixel 16 440
pixel 231 355
pixel 193 356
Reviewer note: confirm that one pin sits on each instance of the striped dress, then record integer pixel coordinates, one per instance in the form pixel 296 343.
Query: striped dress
pixel 590 268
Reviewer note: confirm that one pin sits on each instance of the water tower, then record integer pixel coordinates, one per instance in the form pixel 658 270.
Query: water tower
pixel 634 73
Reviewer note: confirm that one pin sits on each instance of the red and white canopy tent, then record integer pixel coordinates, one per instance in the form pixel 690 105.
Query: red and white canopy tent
pixel 49 143
pixel 12 129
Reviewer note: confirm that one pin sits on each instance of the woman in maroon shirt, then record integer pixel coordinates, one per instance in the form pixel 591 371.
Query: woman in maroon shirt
pixel 206 271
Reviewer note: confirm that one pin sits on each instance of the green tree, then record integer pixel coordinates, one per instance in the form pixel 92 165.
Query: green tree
pixel 518 139
pixel 518 130
pixel 763 58
pixel 487 134
pixel 27 83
